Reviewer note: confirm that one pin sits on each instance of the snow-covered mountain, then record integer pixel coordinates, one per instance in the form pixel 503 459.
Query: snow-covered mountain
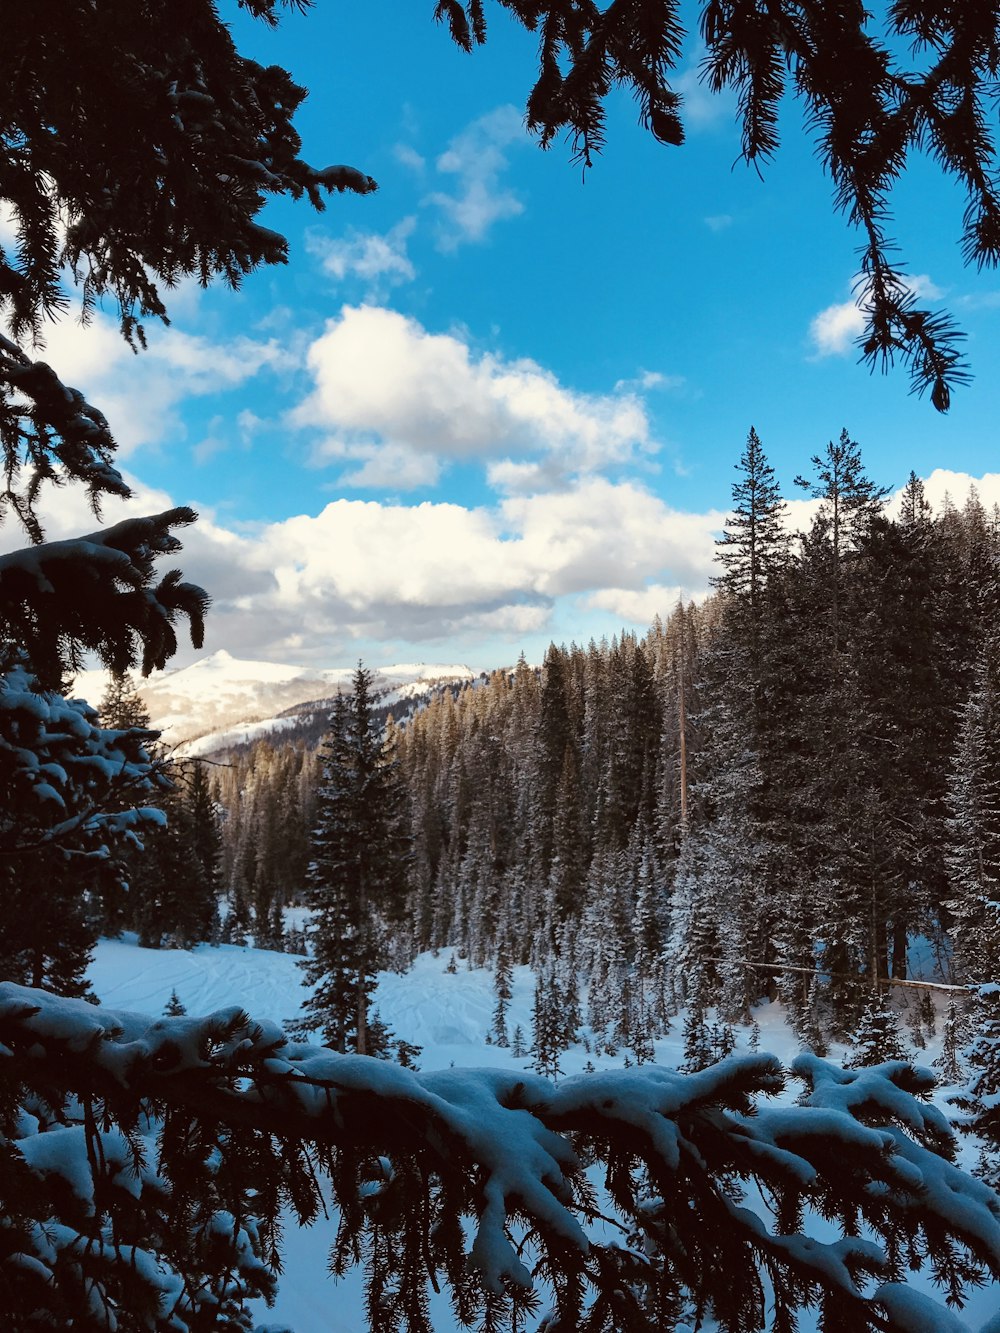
pixel 221 700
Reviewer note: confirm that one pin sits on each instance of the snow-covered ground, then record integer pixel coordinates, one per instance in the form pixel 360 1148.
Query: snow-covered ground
pixel 447 1013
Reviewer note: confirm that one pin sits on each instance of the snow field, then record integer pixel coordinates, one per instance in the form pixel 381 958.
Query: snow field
pixel 448 1015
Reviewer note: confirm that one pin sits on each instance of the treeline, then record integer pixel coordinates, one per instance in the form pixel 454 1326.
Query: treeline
pixel 774 792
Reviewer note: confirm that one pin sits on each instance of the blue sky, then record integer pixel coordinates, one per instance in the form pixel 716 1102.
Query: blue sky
pixel 495 403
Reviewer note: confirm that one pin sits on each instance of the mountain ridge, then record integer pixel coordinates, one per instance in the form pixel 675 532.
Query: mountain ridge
pixel 220 701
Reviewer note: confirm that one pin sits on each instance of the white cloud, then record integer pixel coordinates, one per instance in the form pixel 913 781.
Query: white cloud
pixel 650 379
pixel 385 385
pixel 376 260
pixel 389 468
pixel 943 484
pixel 315 587
pixel 140 393
pixel 834 330
pixel 389 571
pixel 641 605
pixel 409 157
pixel 310 587
pixel 924 288
pixel 476 157
pixel 719 222
pixel 702 109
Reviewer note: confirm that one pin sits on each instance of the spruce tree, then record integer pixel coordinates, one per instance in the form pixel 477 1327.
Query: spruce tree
pixel 973 838
pixel 698 1048
pixel 980 1097
pixel 548 1031
pixel 177 887
pixel 121 705
pixel 755 543
pixel 502 978
pixel 359 876
pixel 949 1062
pixel 877 1037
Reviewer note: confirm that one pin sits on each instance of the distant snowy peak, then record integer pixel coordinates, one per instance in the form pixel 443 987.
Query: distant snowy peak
pixel 221 700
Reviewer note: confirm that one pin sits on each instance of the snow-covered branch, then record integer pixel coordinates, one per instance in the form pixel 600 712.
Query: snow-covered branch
pixel 97 592
pixel 510 1152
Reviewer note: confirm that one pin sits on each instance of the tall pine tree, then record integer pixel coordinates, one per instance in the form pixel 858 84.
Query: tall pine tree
pixel 359 875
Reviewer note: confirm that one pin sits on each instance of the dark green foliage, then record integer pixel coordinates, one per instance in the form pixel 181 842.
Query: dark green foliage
pixel 973 843
pixel 549 1034
pixel 121 706
pixel 698 1052
pixel 979 1097
pixel 877 1037
pixel 502 979
pixel 115 125
pixel 359 877
pixel 175 885
pixel 949 1062
pixel 171 1236
pixel 62 599
pixel 76 801
pixel 757 789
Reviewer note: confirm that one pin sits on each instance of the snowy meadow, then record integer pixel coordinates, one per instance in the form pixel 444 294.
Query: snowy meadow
pixel 448 1013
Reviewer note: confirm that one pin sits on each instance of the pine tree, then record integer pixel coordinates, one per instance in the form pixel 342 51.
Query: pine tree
pixel 177 888
pixel 359 877
pixel 697 1038
pixel 877 1037
pixel 839 815
pixel 121 705
pixel 502 979
pixel 76 800
pixel 980 1097
pixel 742 728
pixel 755 544
pixel 548 1034
pixel 949 1062
pixel 973 851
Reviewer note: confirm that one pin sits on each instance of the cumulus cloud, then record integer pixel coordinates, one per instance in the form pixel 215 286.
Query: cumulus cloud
pixel 943 484
pixel 140 393
pixel 834 330
pixel 386 389
pixel 419 572
pixel 360 574
pixel 312 586
pixel 377 260
pixel 640 605
pixel 477 159
pixel 392 467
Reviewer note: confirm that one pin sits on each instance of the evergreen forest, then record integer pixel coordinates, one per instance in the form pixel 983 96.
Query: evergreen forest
pixel 783 790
